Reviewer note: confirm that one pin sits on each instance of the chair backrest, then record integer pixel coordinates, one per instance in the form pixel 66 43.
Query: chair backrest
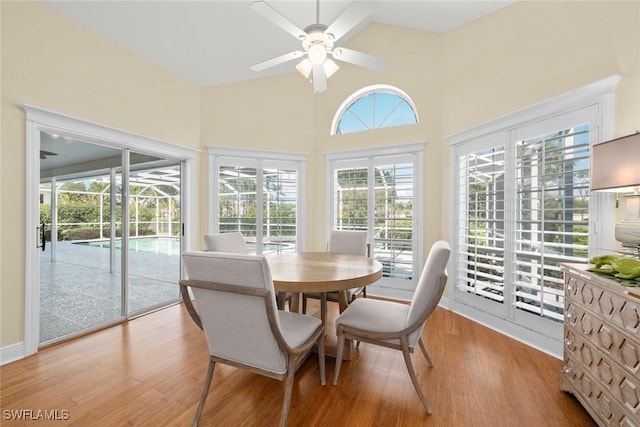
pixel 348 242
pixel 226 242
pixel 429 290
pixel 237 325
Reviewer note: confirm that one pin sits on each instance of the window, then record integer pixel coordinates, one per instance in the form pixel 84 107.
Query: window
pixel 374 107
pixel 377 191
pixel 552 215
pixel 258 194
pixel 550 219
pixel 522 207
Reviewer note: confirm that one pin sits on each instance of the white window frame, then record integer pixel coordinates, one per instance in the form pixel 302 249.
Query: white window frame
pixel 374 157
pixel 259 159
pixel 380 88
pixel 599 94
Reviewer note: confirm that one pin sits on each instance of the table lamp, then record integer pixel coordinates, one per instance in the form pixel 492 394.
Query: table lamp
pixel 615 167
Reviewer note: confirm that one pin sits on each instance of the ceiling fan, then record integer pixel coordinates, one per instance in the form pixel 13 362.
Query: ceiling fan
pixel 44 154
pixel 318 42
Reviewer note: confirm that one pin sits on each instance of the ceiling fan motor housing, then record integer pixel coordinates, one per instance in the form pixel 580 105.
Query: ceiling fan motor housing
pixel 317 43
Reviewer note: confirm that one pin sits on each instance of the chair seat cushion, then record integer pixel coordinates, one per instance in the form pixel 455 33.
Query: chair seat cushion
pixel 374 315
pixel 297 328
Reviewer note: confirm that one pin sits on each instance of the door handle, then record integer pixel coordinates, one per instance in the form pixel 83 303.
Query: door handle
pixel 41 230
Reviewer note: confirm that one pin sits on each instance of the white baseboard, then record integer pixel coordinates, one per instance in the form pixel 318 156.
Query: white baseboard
pixel 11 353
pixel 445 303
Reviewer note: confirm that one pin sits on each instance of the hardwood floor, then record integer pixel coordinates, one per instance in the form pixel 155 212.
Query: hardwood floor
pixel 151 371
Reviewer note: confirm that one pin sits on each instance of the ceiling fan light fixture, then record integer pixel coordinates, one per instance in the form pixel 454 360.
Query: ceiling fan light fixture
pixel 330 67
pixel 317 53
pixel 304 67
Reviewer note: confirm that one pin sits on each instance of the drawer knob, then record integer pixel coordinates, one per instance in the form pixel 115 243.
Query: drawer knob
pixel 568 341
pixel 567 369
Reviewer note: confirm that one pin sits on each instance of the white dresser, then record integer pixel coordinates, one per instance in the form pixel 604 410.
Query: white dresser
pixel 602 346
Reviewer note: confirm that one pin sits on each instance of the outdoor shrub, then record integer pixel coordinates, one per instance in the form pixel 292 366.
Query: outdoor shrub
pixel 82 234
pixel 79 214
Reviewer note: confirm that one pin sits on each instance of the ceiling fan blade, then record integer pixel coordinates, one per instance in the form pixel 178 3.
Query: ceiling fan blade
pixel 319 78
pixel 44 154
pixel 356 13
pixel 277 18
pixel 277 60
pixel 359 58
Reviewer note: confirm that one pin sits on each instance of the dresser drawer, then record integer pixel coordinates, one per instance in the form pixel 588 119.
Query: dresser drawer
pixel 602 406
pixel 622 348
pixel 619 384
pixel 614 303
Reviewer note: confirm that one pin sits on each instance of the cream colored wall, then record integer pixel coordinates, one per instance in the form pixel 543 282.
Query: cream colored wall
pixel 534 50
pixel 53 63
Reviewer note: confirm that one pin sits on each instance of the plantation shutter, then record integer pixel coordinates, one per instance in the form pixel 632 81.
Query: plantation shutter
pixel 552 215
pixel 237 201
pixel 393 217
pixel 280 207
pixel 350 198
pixel 481 223
pixel 522 208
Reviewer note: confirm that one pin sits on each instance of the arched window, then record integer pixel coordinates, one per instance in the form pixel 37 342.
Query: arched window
pixel 374 107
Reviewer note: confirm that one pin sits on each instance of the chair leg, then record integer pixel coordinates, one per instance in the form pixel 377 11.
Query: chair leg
pixel 304 304
pixel 288 390
pixel 205 392
pixel 426 354
pixel 412 374
pixel 323 378
pixel 339 351
pixel 281 300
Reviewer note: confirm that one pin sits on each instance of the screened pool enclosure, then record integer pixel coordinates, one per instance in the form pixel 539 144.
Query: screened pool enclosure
pixel 110 237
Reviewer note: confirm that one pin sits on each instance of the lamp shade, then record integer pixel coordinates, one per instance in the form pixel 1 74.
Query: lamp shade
pixel 615 164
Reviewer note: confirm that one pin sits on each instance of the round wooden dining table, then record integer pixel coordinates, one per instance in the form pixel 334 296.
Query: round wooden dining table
pixel 318 272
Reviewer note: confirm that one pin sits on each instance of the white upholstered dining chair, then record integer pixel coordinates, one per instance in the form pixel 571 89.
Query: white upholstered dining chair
pixel 396 325
pixel 234 243
pixel 226 242
pixel 236 309
pixel 342 242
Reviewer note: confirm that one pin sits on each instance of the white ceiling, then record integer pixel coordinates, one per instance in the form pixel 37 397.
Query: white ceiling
pixel 214 42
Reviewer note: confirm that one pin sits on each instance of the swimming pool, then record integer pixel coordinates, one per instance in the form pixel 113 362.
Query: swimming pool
pixel 156 245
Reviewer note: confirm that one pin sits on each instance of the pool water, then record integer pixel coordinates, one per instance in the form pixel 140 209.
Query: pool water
pixel 156 245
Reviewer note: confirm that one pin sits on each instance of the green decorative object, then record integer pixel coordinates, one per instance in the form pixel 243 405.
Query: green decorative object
pixel 603 264
pixel 628 268
pixel 620 267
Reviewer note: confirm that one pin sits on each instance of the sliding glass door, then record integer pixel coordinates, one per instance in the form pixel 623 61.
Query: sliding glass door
pixel 110 227
pixel 155 229
pixel 80 216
